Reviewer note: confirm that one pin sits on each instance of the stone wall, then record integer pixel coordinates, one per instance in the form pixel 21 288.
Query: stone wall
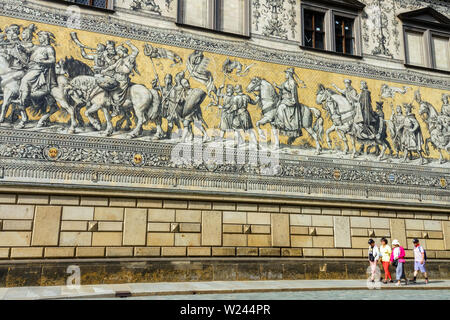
pixel 62 226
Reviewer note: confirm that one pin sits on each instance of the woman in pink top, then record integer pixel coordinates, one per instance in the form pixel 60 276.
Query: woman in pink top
pixel 398 260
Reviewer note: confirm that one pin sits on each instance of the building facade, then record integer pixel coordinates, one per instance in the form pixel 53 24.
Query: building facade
pixel 149 140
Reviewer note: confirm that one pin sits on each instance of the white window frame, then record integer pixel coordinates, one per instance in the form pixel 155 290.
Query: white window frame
pixel 432 50
pixel 412 21
pixel 429 56
pixel 426 51
pixel 214 17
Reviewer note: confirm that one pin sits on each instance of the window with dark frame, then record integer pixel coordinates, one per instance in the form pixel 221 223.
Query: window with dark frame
pixel 332 25
pixel 231 16
pixel 103 4
pixel 343 31
pixel 314 36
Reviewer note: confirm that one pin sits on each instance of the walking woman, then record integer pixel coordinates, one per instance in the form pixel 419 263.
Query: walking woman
pixel 385 252
pixel 374 255
pixel 398 260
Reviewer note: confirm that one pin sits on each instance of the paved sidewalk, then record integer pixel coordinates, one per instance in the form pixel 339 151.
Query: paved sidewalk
pixel 210 287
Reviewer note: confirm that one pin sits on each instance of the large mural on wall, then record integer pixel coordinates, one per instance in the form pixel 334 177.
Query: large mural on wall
pixel 125 89
pixel 78 86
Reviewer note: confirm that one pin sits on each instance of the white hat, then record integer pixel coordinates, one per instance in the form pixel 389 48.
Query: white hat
pixel 395 242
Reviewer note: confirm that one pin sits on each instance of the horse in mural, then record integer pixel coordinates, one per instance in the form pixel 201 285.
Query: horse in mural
pixel 439 133
pixel 9 83
pixel 269 100
pixel 39 100
pixel 342 115
pixel 83 88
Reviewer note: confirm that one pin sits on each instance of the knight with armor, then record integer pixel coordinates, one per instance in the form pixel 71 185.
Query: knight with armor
pixel 242 119
pixel 171 108
pixel 165 92
pixel 195 116
pixel 397 119
pixel 228 111
pixel 412 138
pixel 175 99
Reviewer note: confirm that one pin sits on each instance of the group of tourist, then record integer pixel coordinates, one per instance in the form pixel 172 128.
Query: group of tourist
pixel 395 256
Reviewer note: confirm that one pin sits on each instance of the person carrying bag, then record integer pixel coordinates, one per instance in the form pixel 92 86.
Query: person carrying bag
pixel 398 261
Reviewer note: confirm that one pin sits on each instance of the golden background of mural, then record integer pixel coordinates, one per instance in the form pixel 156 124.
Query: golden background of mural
pixel 271 72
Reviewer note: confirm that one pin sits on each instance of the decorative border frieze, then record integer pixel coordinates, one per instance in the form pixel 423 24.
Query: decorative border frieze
pixel 42 158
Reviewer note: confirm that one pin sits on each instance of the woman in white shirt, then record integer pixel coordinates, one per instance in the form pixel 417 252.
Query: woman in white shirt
pixel 374 255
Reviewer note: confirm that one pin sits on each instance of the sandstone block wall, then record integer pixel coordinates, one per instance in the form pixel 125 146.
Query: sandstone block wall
pixel 47 226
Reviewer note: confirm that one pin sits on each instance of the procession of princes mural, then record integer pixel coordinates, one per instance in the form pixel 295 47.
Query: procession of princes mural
pixel 97 96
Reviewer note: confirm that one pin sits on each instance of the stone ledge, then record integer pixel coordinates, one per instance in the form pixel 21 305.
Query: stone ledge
pixel 422 211
pixel 127 270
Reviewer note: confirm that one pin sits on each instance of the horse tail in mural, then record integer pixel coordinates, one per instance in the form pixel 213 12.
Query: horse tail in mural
pixel 147 107
pixel 154 112
pixel 313 127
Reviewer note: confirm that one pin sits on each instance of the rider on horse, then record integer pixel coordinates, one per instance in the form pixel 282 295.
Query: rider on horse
pixel 122 69
pixel 288 118
pixel 444 117
pixel 41 69
pixel 12 47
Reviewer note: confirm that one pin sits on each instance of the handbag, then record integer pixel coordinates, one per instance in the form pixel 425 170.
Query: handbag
pixel 395 263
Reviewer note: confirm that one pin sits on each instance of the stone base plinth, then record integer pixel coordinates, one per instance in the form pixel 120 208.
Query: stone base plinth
pixel 109 271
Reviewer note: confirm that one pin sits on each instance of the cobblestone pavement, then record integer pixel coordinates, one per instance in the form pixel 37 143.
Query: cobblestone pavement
pixel 316 295
pixel 271 289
